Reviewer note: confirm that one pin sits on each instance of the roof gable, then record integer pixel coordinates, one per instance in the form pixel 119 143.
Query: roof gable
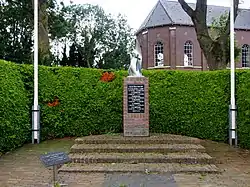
pixel 170 12
pixel 158 16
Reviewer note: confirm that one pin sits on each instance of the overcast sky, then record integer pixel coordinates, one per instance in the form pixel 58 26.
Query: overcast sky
pixel 137 10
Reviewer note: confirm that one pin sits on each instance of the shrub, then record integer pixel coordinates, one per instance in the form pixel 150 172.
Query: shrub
pixel 77 102
pixel 243 105
pixel 87 105
pixel 14 112
pixel 189 103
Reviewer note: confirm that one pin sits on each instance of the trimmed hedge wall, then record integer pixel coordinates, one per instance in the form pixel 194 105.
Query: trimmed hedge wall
pixel 243 104
pixel 14 111
pixel 190 103
pixel 87 105
pixel 187 103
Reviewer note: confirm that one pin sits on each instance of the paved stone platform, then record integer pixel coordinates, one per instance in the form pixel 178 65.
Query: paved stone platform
pixel 22 168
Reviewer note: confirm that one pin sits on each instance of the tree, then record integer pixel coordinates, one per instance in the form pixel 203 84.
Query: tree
pixel 73 55
pixel 16 31
pixel 65 60
pixel 100 40
pixel 59 29
pixel 215 50
pixel 87 30
pixel 217 29
pixel 120 42
pixel 45 56
pixel 16 20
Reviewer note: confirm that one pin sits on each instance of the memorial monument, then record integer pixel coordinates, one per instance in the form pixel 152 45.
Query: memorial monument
pixel 135 98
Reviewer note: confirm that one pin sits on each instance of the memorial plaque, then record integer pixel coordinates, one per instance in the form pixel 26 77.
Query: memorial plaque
pixel 54 158
pixel 136 98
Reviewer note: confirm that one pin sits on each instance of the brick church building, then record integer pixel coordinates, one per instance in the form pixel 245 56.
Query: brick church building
pixel 168 38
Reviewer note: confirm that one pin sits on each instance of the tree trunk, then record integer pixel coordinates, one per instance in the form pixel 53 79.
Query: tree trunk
pixel 43 36
pixel 215 51
pixel 44 45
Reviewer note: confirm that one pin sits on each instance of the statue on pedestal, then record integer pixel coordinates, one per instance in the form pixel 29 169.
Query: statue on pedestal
pixel 136 98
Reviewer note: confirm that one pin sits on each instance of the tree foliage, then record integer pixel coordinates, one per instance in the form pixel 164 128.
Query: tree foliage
pixel 217 29
pixel 98 40
pixel 74 35
pixel 16 30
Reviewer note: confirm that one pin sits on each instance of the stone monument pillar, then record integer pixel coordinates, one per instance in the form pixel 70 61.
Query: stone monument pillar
pixel 135 99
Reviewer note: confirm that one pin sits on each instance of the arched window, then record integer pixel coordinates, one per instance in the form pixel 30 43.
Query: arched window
pixel 188 53
pixel 245 56
pixel 158 55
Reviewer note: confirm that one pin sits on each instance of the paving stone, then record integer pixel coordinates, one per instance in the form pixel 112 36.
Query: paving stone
pixel 24 164
pixel 139 180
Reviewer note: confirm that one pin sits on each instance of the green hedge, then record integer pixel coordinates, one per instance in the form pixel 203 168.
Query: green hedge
pixel 187 103
pixel 243 104
pixel 190 103
pixel 87 105
pixel 14 111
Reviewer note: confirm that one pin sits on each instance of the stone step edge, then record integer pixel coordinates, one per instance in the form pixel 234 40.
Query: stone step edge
pixel 141 158
pixel 153 136
pixel 119 148
pixel 137 141
pixel 183 168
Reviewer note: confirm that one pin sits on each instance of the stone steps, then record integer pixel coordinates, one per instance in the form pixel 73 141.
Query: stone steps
pixel 161 153
pixel 153 139
pixel 139 168
pixel 136 148
pixel 185 158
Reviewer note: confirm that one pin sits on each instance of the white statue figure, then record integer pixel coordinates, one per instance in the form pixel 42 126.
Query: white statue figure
pixel 185 60
pixel 136 62
pixel 160 58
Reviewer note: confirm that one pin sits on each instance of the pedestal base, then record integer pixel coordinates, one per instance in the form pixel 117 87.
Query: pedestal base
pixel 136 106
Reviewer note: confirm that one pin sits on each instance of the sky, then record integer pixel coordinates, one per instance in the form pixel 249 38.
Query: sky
pixel 137 10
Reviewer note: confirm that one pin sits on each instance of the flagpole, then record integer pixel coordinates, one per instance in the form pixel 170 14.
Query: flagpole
pixel 232 107
pixel 35 108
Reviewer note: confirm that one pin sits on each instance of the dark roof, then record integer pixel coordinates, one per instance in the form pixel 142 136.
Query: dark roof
pixel 167 12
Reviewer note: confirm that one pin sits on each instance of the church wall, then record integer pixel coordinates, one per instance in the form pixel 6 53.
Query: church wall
pixel 143 40
pixel 184 34
pixel 242 37
pixel 148 40
pixel 174 58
